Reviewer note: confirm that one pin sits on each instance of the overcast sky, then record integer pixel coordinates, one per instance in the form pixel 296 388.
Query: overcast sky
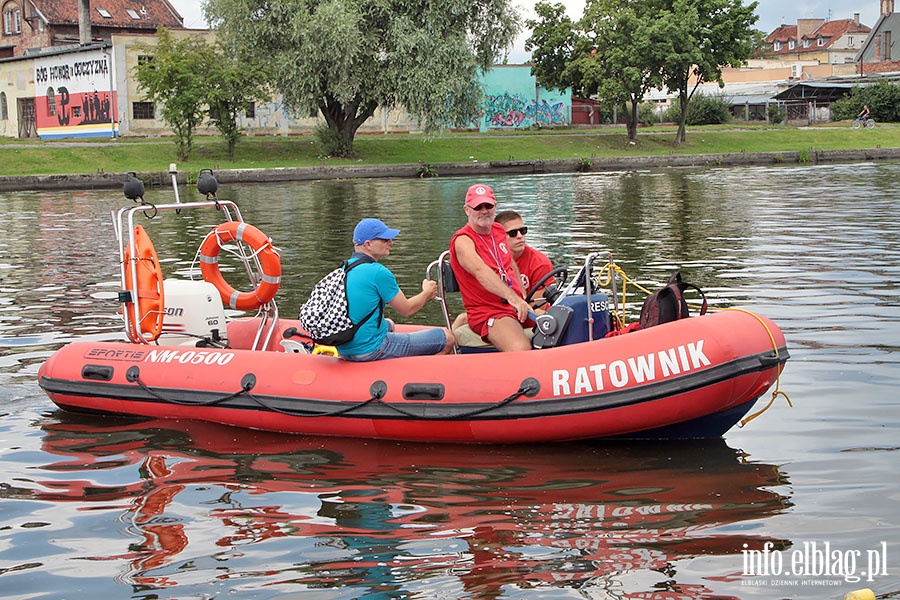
pixel 771 14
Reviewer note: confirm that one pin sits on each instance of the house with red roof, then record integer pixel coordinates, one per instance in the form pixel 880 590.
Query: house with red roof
pixel 818 41
pixel 35 24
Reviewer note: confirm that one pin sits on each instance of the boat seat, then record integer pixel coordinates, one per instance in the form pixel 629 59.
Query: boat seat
pixel 467 341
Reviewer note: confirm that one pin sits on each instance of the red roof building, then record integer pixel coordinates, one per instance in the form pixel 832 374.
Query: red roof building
pixel 33 24
pixel 832 42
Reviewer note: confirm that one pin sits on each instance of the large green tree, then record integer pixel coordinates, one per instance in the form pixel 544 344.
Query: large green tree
pixel 345 58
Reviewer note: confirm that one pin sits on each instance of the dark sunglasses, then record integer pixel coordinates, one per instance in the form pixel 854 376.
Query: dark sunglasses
pixel 481 207
pixel 515 232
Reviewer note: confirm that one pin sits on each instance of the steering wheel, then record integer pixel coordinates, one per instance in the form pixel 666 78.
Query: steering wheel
pixel 563 276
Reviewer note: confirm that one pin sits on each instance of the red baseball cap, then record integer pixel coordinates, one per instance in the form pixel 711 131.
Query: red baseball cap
pixel 480 194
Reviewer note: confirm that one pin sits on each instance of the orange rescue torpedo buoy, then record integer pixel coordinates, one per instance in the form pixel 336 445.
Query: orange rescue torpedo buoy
pixel 145 282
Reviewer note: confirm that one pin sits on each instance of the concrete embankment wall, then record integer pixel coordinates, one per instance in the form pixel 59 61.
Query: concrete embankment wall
pixel 518 167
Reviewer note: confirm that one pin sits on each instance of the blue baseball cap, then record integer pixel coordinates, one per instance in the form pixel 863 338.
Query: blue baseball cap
pixel 371 229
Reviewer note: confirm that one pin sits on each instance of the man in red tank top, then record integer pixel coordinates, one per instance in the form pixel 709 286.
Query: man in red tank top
pixel 532 263
pixel 488 278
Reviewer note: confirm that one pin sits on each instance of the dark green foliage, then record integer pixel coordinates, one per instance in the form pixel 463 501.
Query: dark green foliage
pixel 882 98
pixel 776 114
pixel 345 59
pixel 702 110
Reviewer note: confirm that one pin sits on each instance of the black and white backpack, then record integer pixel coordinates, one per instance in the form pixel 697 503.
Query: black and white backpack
pixel 326 314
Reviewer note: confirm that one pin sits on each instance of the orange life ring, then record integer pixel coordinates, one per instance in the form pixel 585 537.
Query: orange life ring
pixel 147 291
pixel 262 248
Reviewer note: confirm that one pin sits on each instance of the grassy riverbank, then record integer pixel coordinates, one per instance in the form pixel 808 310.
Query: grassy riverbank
pixel 66 157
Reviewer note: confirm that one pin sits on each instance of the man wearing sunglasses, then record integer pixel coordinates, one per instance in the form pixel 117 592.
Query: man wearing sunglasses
pixel 533 264
pixel 371 286
pixel 488 278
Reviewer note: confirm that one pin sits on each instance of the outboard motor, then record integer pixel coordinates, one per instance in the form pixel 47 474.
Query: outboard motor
pixel 194 315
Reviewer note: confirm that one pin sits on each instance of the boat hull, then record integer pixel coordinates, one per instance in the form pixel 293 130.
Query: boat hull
pixel 693 378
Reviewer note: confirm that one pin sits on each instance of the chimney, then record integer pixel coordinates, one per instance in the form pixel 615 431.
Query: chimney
pixel 887 7
pixel 84 22
pixel 856 19
pixel 808 26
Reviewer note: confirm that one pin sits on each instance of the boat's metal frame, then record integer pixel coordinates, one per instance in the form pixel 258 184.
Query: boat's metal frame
pixel 123 222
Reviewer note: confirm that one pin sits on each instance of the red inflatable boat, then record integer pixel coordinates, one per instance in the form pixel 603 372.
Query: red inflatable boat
pixel 691 378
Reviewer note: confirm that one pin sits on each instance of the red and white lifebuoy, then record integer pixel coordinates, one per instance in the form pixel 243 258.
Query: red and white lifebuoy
pixel 145 282
pixel 263 250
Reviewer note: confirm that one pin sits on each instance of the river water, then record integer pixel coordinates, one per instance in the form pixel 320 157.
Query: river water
pixel 800 503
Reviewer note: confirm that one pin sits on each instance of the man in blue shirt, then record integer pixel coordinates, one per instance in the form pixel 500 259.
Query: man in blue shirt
pixel 369 287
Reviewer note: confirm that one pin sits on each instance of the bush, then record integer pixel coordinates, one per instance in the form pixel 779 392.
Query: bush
pixel 882 98
pixel 703 110
pixel 647 114
pixel 331 143
pixel 775 113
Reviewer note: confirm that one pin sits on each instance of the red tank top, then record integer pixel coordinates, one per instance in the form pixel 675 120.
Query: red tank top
pixel 479 303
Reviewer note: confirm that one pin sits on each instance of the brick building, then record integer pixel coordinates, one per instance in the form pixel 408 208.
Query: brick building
pixel 29 25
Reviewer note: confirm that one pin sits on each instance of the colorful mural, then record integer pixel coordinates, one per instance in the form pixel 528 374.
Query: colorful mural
pixel 512 110
pixel 513 99
pixel 75 95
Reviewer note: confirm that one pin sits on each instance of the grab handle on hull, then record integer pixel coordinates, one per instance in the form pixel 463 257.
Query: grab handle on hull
pixel 423 391
pixel 97 372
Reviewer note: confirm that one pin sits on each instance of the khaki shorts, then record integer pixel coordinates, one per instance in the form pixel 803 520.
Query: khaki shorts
pixel 468 338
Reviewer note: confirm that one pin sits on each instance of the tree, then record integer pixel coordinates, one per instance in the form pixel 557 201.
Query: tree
pixel 345 58
pixel 706 35
pixel 231 87
pixel 620 50
pixel 170 80
pixel 882 98
pixel 609 53
pixel 759 47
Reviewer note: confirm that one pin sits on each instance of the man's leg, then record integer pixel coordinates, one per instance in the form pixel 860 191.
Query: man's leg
pixel 507 335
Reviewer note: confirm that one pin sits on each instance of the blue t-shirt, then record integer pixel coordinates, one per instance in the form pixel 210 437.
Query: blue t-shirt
pixel 368 286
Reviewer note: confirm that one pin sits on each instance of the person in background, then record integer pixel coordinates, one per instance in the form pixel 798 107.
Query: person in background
pixel 488 278
pixel 533 264
pixel 371 286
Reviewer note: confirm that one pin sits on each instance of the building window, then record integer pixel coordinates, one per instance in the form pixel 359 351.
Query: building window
pixel 142 110
pixel 51 102
pixel 133 14
pixel 791 44
pixel 777 46
pixel 821 41
pixel 806 43
pixel 104 13
pixel 12 20
pixel 251 111
pixel 4 111
pixel 886 36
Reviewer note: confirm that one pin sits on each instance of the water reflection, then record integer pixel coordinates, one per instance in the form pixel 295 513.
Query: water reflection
pixel 331 513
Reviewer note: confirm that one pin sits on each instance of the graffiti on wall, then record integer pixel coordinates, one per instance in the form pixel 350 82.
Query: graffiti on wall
pixel 514 110
pixel 74 95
